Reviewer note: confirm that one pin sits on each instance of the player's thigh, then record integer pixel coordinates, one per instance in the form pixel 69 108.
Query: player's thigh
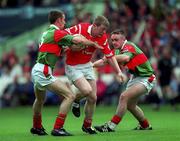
pixel 134 91
pixel 83 85
pixel 59 88
pixel 93 86
pixel 73 73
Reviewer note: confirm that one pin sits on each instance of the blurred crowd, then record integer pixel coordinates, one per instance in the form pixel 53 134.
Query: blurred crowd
pixel 154 26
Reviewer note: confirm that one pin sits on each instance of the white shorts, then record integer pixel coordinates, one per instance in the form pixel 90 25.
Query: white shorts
pixel 77 71
pixel 148 82
pixel 42 76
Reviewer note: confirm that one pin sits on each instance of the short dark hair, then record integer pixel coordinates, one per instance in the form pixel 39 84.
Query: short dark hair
pixel 118 31
pixel 101 20
pixel 54 15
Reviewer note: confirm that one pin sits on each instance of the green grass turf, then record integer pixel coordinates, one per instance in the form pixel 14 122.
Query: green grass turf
pixel 16 122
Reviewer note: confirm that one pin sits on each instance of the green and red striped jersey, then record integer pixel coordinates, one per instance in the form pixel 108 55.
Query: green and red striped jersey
pixel 138 65
pixel 51 43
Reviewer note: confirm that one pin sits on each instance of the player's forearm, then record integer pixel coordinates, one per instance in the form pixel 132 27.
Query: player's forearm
pixel 122 58
pixel 99 63
pixel 87 42
pixel 82 40
pixel 77 39
pixel 113 62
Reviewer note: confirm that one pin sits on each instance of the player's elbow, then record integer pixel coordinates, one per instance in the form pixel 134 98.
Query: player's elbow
pixel 126 59
pixel 77 40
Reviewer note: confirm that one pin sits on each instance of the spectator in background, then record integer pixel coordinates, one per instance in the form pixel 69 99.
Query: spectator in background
pixel 101 88
pixel 13 72
pixel 32 52
pixel 166 67
pixel 112 92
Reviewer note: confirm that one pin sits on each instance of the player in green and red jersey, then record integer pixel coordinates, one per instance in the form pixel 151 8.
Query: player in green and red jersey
pixel 141 82
pixel 52 42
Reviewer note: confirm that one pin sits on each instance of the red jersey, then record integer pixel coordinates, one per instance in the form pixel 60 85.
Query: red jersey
pixel 84 56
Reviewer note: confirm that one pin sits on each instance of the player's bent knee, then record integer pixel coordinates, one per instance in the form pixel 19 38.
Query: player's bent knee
pixel 123 97
pixel 87 92
pixel 71 97
pixel 92 99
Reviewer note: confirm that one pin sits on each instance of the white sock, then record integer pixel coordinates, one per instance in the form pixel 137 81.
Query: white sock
pixel 75 105
pixel 112 125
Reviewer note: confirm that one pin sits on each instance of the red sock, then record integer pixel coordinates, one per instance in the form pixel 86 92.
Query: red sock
pixel 87 123
pixel 37 121
pixel 116 119
pixel 60 121
pixel 144 123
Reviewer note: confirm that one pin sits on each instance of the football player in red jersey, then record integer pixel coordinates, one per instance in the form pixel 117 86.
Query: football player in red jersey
pixel 141 82
pixel 79 67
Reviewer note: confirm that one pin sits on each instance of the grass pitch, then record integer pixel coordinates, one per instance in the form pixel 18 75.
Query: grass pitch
pixel 15 124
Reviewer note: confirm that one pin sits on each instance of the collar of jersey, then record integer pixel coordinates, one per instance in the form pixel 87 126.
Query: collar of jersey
pixel 123 44
pixel 54 26
pixel 89 29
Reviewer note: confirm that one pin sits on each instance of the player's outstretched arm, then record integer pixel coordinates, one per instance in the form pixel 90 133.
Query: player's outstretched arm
pixel 100 62
pixel 122 58
pixel 113 62
pixel 119 75
pixel 79 39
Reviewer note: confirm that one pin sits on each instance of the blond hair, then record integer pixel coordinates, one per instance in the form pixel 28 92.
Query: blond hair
pixel 101 20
